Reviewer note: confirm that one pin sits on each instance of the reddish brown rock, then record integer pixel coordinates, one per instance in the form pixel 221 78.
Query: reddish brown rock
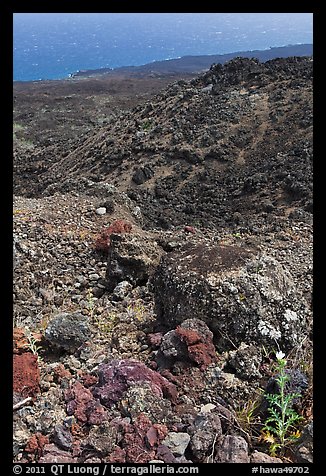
pixel 199 341
pixel 189 229
pixel 102 242
pixel 155 339
pixel 81 404
pixel 155 435
pixel 60 373
pixel 191 341
pixel 134 441
pixel 118 455
pixel 36 443
pixel 26 375
pixel 20 340
pixel 117 376
pixel 88 379
pixel 52 454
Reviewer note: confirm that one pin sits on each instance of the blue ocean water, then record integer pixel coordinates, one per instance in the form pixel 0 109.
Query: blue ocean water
pixel 53 45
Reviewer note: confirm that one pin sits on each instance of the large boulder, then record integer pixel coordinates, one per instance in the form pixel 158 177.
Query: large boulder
pixel 243 295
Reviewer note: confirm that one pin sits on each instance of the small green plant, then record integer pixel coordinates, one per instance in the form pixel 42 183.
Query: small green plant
pixel 90 304
pixel 279 430
pixel 32 345
pixel 146 125
pixel 136 310
pixel 107 323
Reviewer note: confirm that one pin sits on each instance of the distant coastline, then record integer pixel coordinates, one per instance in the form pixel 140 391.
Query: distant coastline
pixel 196 64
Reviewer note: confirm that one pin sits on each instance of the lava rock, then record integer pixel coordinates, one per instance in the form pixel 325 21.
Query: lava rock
pixel 26 374
pixel 242 296
pixel 233 449
pixel 121 290
pixel 258 457
pixel 116 377
pixel 103 438
pixel 131 258
pixel 81 404
pixel 103 240
pixel 35 445
pixel 177 442
pixel 192 341
pixel 246 361
pixel 142 174
pixel 205 431
pixel 52 454
pixel 62 437
pixel 141 399
pixel 304 449
pixel 68 331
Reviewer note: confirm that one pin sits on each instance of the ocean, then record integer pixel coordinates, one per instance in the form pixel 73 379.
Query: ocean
pixel 55 45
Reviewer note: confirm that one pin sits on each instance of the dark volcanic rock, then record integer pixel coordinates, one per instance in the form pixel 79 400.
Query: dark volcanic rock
pixel 242 295
pixel 205 432
pixel 142 174
pixel 140 398
pixel 304 449
pixel 103 439
pixel 246 361
pixel 233 449
pixel 68 331
pixel 131 258
pixel 62 437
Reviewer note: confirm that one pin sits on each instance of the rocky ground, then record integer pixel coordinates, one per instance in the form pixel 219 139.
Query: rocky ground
pixel 160 263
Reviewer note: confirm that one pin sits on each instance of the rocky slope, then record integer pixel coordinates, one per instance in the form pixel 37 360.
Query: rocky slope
pixel 228 146
pixel 159 267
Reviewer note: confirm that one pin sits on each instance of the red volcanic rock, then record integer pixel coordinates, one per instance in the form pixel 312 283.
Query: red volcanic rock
pixel 118 455
pixel 134 441
pixel 155 339
pixel 88 379
pixel 102 242
pixel 116 377
pixel 200 345
pixel 52 454
pixel 189 229
pixel 81 404
pixel 60 372
pixel 20 340
pixel 155 434
pixel 36 443
pixel 26 375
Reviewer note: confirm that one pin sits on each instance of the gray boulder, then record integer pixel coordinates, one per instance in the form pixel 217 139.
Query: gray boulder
pixel 68 331
pixel 241 294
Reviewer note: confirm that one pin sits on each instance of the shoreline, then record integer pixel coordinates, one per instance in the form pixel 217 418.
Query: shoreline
pixel 184 64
